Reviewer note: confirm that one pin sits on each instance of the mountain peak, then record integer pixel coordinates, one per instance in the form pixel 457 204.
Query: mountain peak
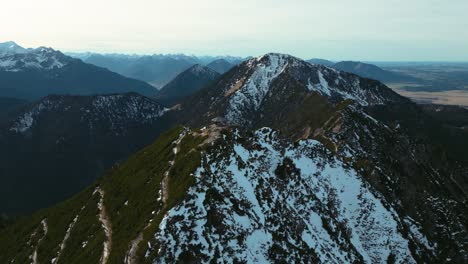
pixel 220 65
pixel 199 69
pixel 273 58
pixel 44 49
pixel 9 44
pixel 10 47
pixel 264 81
pixel 186 83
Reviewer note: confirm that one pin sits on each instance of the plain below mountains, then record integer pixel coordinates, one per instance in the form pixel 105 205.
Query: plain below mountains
pixel 34 73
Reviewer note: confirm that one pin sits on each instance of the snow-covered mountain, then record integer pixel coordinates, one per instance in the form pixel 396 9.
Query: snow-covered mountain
pixel 35 73
pixel 116 110
pixel 257 87
pixel 42 59
pixel 10 47
pixel 267 200
pixel 62 143
pixel 293 162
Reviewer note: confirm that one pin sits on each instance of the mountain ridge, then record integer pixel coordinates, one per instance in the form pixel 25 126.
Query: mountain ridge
pixel 292 162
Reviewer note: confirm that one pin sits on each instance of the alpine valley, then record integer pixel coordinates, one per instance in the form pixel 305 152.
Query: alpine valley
pixel 276 161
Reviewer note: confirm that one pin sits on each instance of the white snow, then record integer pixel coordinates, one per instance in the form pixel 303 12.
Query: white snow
pixel 65 238
pixel 246 92
pixel 256 87
pixel 106 225
pixel 265 205
pixel 45 229
pixel 322 87
pixel 40 59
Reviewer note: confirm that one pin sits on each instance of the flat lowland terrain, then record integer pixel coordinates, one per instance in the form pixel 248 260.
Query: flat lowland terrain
pixel 435 77
pixel 453 97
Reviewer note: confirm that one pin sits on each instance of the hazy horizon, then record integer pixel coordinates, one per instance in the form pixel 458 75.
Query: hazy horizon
pixel 364 30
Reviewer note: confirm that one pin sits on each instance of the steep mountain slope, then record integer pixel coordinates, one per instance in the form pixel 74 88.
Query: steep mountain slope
pixel 59 145
pixel 157 69
pixel 451 115
pixel 371 71
pixel 321 62
pixel 186 84
pixel 221 66
pixel 42 71
pixel 425 123
pixel 290 166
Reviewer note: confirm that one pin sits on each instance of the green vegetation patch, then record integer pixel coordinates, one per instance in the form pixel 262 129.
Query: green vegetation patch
pixel 131 192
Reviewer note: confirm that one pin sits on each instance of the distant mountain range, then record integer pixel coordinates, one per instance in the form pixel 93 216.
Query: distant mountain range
pixel 33 73
pixel 186 84
pixel 157 69
pixel 321 62
pixel 372 72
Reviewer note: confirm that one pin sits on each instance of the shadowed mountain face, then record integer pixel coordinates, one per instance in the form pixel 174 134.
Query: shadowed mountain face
pixel 294 162
pixel 449 115
pixel 186 84
pixel 372 72
pixel 8 104
pixel 221 66
pixel 55 147
pixel 34 73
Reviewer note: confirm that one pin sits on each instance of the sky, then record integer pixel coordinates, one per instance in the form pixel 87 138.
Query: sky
pixel 368 30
